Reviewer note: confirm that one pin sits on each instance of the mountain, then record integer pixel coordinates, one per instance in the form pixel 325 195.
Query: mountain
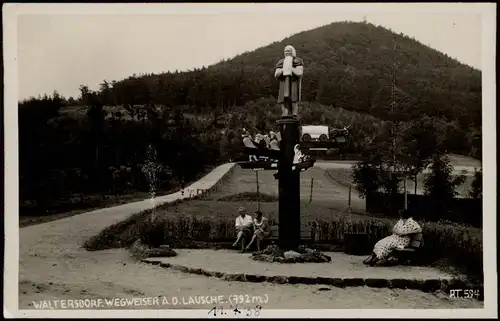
pixel 350 69
pixel 349 65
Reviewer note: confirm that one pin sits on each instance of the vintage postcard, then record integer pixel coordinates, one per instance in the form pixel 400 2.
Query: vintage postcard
pixel 250 160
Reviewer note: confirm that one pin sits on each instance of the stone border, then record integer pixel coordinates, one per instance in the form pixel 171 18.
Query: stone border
pixel 431 285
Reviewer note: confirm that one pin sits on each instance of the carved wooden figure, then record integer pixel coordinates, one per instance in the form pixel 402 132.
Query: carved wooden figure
pixel 289 71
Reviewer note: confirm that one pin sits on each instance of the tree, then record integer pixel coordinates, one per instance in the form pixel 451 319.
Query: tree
pixel 440 185
pixel 366 178
pixel 84 94
pixel 95 116
pixel 106 93
pixel 476 191
pixel 419 142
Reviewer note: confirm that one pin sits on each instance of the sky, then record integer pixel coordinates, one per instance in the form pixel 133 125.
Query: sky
pixel 58 49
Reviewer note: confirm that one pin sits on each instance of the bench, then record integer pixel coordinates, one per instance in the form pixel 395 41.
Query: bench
pixel 409 254
pixel 307 234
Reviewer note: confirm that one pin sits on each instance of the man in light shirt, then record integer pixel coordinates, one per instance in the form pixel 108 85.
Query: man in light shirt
pixel 244 227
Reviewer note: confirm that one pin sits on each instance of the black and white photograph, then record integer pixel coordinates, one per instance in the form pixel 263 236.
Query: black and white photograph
pixel 250 160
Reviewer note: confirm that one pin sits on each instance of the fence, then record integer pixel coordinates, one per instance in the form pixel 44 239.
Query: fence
pixel 197 193
pixel 460 210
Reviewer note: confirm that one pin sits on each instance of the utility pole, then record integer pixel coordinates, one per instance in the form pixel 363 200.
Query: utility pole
pixel 258 192
pixel 393 103
pixel 394 124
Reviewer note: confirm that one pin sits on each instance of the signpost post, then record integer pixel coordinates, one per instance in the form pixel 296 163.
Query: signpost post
pixel 289 185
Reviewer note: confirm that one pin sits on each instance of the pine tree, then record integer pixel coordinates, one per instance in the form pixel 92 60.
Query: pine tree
pixel 440 184
pixel 476 191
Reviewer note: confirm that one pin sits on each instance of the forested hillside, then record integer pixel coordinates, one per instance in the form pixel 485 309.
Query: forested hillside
pixel 348 65
pixel 97 143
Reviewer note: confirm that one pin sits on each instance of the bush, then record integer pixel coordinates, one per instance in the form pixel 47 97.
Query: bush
pixel 141 251
pixel 121 234
pixel 152 232
pixel 476 191
pixel 249 196
pixel 440 185
pixel 458 245
pixel 366 178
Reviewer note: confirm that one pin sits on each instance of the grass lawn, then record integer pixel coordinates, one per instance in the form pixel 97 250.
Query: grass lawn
pixel 316 187
pixel 343 176
pixel 223 210
pixel 319 211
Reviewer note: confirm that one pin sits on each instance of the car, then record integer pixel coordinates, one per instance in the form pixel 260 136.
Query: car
pixel 324 134
pixel 314 133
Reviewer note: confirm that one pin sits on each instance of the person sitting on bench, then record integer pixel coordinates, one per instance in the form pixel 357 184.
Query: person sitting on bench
pixel 261 230
pixel 244 227
pixel 400 238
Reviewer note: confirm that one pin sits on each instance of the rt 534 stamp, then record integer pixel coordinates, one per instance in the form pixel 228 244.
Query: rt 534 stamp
pixel 465 293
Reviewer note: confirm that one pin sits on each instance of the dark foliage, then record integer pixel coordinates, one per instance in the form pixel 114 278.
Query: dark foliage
pixel 440 185
pixel 476 191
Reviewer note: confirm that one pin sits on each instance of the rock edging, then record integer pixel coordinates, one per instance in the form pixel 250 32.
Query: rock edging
pixel 303 254
pixel 432 285
pixel 141 251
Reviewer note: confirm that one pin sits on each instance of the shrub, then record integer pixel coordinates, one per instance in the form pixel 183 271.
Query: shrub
pixel 121 234
pixel 249 196
pixel 152 232
pixel 458 245
pixel 440 184
pixel 476 191
pixel 366 178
